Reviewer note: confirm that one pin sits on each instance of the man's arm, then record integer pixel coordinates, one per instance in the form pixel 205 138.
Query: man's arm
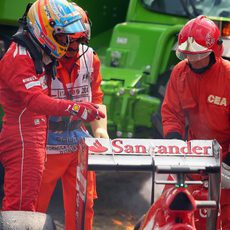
pixel 173 117
pixel 30 90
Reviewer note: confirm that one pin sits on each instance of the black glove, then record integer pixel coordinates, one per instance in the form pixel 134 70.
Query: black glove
pixel 227 159
pixel 173 135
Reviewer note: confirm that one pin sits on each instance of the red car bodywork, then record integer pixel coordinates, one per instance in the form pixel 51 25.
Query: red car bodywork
pixel 174 210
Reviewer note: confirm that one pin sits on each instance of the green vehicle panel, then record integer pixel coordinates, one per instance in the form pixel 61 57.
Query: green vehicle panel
pixel 133 69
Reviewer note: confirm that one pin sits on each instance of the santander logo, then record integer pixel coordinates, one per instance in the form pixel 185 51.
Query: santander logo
pixel 120 146
pixel 97 147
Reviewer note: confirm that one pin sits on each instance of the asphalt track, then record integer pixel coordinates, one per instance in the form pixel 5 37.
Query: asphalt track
pixel 123 198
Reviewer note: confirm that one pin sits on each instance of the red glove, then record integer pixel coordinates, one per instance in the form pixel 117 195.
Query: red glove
pixel 86 111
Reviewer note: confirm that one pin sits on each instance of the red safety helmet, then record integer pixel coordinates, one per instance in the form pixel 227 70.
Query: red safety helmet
pixel 198 38
pixel 83 36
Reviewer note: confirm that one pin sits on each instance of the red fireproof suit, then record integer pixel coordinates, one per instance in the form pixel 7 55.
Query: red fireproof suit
pixel 23 136
pixel 203 99
pixel 79 79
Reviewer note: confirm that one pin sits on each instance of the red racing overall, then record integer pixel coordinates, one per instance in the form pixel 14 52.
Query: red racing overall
pixel 78 80
pixel 23 136
pixel 203 99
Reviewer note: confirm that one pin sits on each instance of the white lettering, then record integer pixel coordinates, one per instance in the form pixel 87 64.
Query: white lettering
pixel 223 102
pixel 122 40
pixel 119 147
pixel 210 98
pixel 29 79
pixel 216 100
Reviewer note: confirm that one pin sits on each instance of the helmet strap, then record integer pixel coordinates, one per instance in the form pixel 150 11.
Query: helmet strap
pixel 51 69
pixel 212 61
pixel 24 39
pixel 84 51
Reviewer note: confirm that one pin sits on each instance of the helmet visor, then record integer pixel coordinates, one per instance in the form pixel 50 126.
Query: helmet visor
pixel 192 56
pixel 72 28
pixel 192 50
pixel 86 34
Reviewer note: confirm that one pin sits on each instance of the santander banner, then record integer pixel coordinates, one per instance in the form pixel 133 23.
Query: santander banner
pixel 151 147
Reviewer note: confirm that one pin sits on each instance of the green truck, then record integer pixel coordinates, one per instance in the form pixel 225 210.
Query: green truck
pixel 141 55
pixel 135 40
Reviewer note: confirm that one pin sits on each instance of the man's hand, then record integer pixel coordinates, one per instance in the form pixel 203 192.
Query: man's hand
pixel 101 133
pixel 99 127
pixel 86 111
pixel 173 135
